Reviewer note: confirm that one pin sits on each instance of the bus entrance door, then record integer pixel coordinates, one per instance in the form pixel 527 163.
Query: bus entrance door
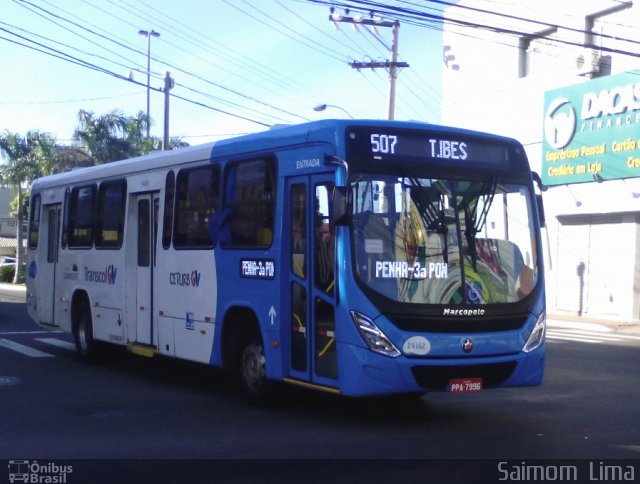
pixel 47 266
pixel 146 210
pixel 310 249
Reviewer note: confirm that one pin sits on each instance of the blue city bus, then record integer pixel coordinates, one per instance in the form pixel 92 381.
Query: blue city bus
pixel 355 257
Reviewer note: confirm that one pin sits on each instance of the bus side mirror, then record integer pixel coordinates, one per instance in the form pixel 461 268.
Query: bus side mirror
pixel 540 206
pixel 341 206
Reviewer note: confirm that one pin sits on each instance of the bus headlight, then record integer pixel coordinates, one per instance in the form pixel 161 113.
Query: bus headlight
pixel 375 339
pixel 537 335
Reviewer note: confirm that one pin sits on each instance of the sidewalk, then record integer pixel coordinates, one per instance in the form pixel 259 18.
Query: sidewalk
pixel 608 325
pixel 5 286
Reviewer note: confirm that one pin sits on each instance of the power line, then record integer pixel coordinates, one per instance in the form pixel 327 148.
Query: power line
pixel 404 13
pixel 63 56
pixel 180 69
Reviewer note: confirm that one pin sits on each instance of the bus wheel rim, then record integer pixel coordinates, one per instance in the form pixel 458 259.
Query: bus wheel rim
pixel 253 365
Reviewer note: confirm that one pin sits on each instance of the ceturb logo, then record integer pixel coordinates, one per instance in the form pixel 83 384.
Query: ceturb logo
pixel 463 312
pixel 185 279
pixel 106 276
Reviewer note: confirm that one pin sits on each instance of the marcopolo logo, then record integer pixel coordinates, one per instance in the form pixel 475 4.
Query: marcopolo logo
pixel 106 276
pixel 559 123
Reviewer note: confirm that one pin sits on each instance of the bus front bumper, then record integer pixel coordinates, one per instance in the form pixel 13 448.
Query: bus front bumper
pixel 373 374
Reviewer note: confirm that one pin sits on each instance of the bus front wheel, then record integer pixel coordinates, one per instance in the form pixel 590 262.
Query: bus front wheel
pixel 83 332
pixel 253 371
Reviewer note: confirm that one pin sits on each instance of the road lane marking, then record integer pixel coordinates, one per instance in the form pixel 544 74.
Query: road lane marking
pixel 30 332
pixel 57 343
pixel 25 350
pixel 589 336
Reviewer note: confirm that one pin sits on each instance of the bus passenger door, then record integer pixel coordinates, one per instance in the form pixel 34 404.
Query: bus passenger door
pixel 48 263
pixel 310 248
pixel 146 214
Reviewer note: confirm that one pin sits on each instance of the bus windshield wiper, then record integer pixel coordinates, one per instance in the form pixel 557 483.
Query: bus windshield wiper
pixel 473 221
pixel 432 217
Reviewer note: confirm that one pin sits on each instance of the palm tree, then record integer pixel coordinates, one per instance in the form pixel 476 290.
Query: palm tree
pixel 26 158
pixel 114 136
pixel 103 136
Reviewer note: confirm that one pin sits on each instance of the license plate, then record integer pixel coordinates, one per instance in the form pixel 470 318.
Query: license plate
pixel 465 385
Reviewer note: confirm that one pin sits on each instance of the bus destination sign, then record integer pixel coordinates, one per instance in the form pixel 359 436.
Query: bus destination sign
pixel 380 144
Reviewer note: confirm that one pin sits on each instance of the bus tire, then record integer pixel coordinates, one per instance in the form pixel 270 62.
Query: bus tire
pixel 252 370
pixel 83 332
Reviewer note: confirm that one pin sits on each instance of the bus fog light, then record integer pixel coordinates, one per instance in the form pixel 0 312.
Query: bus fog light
pixel 375 339
pixel 537 335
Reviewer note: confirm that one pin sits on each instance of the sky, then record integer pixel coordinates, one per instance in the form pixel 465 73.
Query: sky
pixel 239 66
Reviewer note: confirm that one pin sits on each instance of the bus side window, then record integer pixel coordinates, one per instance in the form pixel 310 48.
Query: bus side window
pixel 298 230
pixel 167 223
pixel 82 216
pixel 196 201
pixel 324 246
pixel 111 210
pixel 65 218
pixel 249 204
pixel 34 221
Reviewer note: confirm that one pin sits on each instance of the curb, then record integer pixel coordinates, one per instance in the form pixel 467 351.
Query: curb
pixel 5 286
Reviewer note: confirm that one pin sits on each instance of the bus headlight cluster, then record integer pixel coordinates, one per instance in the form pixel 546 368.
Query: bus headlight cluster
pixel 375 339
pixel 537 335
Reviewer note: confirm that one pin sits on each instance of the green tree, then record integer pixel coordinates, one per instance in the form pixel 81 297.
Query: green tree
pixel 104 137
pixel 114 136
pixel 26 158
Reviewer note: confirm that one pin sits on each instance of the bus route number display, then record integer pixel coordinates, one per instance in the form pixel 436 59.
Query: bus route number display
pixel 437 148
pixel 442 147
pixel 257 269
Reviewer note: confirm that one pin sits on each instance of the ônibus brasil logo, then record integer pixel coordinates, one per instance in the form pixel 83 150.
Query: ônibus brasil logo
pixel 106 276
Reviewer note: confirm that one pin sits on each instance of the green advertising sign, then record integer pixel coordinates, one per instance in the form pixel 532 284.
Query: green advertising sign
pixel 592 131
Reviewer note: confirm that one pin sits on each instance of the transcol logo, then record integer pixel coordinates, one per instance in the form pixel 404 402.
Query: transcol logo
pixel 185 279
pixel 559 123
pixel 107 276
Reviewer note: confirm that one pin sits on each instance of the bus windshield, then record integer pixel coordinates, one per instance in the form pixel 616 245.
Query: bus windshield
pixel 443 241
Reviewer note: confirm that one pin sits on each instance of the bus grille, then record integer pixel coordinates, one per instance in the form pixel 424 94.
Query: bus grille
pixel 438 377
pixel 439 324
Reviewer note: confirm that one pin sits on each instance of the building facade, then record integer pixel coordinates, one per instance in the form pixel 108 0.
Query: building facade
pixel 564 79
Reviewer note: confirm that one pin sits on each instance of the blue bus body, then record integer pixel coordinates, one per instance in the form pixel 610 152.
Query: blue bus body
pixel 497 357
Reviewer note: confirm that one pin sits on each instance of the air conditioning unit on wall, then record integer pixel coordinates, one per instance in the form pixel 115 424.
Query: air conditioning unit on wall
pixel 588 62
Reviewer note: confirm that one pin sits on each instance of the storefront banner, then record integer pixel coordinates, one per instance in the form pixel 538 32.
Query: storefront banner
pixel 592 131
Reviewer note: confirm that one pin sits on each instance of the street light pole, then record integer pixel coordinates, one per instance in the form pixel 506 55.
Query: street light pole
pixel 322 107
pixel 148 34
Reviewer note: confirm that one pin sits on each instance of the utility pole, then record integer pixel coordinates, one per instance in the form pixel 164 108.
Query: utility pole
pixel 392 65
pixel 169 84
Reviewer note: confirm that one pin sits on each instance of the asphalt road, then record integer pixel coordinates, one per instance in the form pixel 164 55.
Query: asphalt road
pixel 55 408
